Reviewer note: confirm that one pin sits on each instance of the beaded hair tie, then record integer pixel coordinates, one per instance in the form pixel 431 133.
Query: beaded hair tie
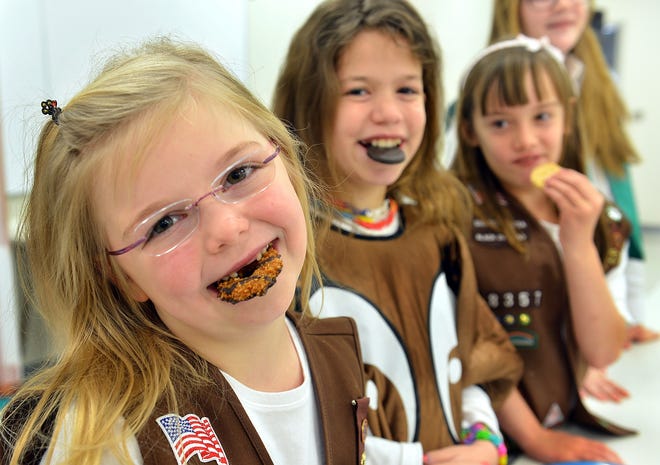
pixel 49 107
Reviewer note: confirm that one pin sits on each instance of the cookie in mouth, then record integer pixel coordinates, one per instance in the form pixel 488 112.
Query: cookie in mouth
pixel 253 280
pixel 387 151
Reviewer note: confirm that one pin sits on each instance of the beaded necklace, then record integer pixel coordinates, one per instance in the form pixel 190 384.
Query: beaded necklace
pixel 377 218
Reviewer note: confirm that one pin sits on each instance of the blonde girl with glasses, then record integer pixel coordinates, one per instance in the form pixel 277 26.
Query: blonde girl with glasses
pixel 540 248
pixel 608 148
pixel 361 86
pixel 167 234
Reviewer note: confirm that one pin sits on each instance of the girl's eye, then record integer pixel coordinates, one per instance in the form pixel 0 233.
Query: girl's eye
pixel 408 91
pixel 165 223
pixel 544 116
pixel 239 174
pixel 241 179
pixel 499 124
pixel 356 92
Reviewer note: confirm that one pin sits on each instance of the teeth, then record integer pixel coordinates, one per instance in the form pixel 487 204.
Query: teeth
pixel 235 274
pixel 261 254
pixel 385 143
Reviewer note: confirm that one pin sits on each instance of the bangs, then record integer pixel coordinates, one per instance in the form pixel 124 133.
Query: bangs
pixel 502 83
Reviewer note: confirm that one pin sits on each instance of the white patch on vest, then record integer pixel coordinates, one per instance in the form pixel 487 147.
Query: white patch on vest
pixel 442 324
pixel 455 370
pixel 380 345
pixel 371 391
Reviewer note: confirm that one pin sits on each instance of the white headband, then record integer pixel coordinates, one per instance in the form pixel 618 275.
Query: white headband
pixel 529 43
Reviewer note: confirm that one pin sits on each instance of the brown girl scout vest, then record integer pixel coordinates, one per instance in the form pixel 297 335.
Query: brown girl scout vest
pixel 528 295
pixel 425 331
pixel 212 426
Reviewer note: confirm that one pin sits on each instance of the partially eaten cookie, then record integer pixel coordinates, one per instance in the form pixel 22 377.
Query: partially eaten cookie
pixel 541 173
pixel 253 280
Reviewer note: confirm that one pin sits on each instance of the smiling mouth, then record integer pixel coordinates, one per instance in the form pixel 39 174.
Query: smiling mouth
pixel 252 280
pixel 387 151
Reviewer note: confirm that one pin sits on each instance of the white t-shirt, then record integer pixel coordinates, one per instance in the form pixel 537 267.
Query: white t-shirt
pixel 287 422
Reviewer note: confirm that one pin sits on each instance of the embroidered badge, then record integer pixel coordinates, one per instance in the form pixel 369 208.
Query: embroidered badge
pixel 617 234
pixel 524 339
pixel 483 232
pixel 523 299
pixel 191 435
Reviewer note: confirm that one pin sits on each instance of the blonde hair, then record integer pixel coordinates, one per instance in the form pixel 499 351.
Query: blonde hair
pixel 501 75
pixel 605 113
pixel 117 358
pixel 307 91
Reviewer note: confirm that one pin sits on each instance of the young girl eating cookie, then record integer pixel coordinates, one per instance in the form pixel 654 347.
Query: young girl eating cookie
pixel 541 238
pixel 167 233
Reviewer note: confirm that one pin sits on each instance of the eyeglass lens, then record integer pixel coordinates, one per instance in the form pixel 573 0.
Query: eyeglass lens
pixel 164 230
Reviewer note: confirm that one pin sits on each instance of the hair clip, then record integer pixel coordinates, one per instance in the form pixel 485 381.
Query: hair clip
pixel 529 43
pixel 49 107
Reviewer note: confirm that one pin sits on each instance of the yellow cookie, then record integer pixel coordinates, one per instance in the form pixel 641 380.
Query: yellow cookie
pixel 542 172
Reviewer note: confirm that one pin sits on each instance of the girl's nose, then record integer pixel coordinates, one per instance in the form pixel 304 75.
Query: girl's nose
pixel 386 109
pixel 524 137
pixel 221 224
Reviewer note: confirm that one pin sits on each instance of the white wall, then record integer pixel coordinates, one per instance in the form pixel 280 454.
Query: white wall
pixel 50 49
pixel 10 359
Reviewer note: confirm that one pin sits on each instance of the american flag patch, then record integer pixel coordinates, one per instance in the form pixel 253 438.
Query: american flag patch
pixel 191 435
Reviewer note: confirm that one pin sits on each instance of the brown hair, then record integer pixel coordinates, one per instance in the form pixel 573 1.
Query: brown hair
pixel 604 111
pixel 307 91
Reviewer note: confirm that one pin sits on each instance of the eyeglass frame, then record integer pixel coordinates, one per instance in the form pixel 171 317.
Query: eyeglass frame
pixel 193 206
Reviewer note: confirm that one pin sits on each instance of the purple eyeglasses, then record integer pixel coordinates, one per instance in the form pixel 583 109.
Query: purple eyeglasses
pixel 164 230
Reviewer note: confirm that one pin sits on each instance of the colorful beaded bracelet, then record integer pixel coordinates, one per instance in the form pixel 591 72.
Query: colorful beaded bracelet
pixel 481 432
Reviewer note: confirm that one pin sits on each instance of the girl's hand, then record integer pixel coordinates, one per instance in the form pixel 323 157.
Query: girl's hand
pixel 599 328
pixel 477 453
pixel 580 205
pixel 597 385
pixel 558 446
pixel 640 333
